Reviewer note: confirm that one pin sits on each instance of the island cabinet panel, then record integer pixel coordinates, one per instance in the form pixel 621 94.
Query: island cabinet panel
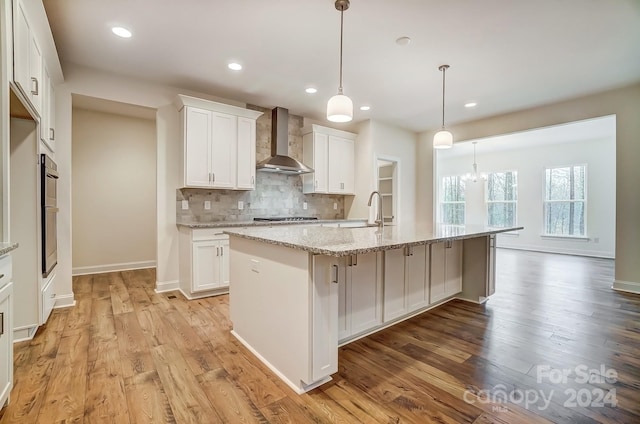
pixel 406 281
pixel 446 269
pixel 479 263
pixel 360 295
pixel 324 318
pixel 6 332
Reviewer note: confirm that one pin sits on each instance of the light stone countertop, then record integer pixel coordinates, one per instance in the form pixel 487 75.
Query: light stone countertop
pixel 338 242
pixel 233 224
pixel 6 247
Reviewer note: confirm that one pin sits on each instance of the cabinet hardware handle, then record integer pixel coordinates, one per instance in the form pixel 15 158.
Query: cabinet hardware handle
pixel 213 177
pixel 52 134
pixel 217 251
pixel 335 278
pixel 341 185
pixel 253 180
pixel 222 251
pixel 53 295
pixel 1 276
pixel 35 90
pixel 1 323
pixel 355 260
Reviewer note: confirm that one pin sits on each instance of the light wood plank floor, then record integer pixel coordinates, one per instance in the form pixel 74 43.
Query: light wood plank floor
pixel 125 354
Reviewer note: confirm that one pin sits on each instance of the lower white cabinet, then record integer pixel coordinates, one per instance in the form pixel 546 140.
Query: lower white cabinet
pixel 48 299
pixel 324 361
pixel 360 294
pixel 446 269
pixel 204 262
pixel 406 281
pixel 6 329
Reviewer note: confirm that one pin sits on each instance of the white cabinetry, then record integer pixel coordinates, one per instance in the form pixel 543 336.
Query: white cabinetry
pixel 27 61
pixel 331 154
pixel 324 361
pixel 204 262
pixel 219 144
pixel 47 123
pixel 6 332
pixel 360 294
pixel 446 269
pixel 406 281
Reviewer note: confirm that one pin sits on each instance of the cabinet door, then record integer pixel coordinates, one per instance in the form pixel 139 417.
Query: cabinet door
pixel 35 66
pixel 395 290
pixel 6 342
pixel 21 46
pixel 224 263
pixel 206 265
pixel 453 267
pixel 366 292
pixel 344 302
pixel 320 162
pixel 51 112
pixel 246 154
pixel 324 318
pixel 197 136
pixel 223 149
pixel 437 271
pixel 44 119
pixel 417 274
pixel 341 174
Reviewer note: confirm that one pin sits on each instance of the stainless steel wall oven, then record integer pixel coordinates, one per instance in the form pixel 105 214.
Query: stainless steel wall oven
pixel 49 213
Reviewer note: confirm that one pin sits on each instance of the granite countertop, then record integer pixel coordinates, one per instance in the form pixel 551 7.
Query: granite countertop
pixel 233 224
pixel 6 247
pixel 352 241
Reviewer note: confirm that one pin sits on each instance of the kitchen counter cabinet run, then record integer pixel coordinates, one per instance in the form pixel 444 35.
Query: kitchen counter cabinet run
pixel 292 307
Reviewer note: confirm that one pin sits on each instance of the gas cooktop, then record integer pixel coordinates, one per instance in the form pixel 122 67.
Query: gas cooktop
pixel 286 218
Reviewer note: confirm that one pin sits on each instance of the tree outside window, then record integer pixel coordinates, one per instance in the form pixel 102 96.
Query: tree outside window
pixel 502 199
pixel 452 200
pixel 565 201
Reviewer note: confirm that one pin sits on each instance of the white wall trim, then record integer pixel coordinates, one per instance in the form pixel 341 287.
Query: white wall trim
pixel 100 269
pixel 626 286
pixel 561 251
pixel 65 301
pixel 167 286
pixel 203 294
pixel 25 333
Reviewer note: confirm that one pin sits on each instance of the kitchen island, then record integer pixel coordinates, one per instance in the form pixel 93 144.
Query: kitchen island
pixel 299 292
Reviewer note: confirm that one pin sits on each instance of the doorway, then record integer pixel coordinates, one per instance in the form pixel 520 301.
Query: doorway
pixel 387 183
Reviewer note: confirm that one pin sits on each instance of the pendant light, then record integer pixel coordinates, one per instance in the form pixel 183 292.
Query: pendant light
pixel 443 138
pixel 340 107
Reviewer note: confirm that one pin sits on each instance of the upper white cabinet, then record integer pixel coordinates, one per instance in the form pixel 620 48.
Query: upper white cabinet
pixel 219 144
pixel 47 123
pixel 331 154
pixel 27 61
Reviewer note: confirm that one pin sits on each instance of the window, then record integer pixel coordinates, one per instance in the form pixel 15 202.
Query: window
pixel 502 199
pixel 452 202
pixel 565 201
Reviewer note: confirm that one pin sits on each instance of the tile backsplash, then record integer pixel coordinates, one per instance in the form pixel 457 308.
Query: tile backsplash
pixel 275 194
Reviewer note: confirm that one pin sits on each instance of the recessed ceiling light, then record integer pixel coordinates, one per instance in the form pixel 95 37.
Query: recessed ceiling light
pixel 365 107
pixel 121 32
pixel 311 90
pixel 403 41
pixel 470 104
pixel 234 66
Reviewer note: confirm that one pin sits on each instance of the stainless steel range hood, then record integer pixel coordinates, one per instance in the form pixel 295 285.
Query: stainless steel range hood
pixel 280 161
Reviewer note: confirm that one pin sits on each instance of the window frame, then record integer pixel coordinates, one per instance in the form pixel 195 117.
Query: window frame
pixel 487 202
pixel 457 202
pixel 545 234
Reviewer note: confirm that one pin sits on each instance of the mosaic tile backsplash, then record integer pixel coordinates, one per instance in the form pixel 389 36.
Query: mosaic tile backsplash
pixel 275 194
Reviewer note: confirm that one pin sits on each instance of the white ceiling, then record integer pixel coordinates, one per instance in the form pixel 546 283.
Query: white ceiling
pixel 504 54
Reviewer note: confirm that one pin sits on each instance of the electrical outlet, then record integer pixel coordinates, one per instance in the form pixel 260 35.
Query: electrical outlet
pixel 185 205
pixel 240 205
pixel 304 205
pixel 596 239
pixel 207 204
pixel 335 206
pixel 255 265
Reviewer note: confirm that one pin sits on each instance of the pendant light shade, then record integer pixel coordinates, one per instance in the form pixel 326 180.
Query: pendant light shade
pixel 340 107
pixel 443 138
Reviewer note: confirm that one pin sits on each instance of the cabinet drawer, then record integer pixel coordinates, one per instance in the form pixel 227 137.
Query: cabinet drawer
pixel 201 234
pixel 5 270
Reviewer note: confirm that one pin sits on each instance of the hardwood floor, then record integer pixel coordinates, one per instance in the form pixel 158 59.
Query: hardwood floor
pixel 125 354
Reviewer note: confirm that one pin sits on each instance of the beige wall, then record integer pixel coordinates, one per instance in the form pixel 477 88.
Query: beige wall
pixel 113 192
pixel 625 104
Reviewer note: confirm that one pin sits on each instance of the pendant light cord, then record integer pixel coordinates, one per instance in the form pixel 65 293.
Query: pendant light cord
pixel 341 29
pixel 444 70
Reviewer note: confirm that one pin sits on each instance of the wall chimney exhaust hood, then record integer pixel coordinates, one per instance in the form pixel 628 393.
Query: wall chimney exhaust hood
pixel 280 161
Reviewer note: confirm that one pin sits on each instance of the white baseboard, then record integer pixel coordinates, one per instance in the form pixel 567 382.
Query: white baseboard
pixel 23 334
pixel 100 269
pixel 626 286
pixel 204 294
pixel 167 286
pixel 65 301
pixel 561 251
